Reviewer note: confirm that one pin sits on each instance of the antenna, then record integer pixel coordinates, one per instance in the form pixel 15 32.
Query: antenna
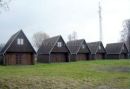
pixel 100 21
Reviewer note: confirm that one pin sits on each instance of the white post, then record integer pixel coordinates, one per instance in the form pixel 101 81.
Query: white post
pixel 100 21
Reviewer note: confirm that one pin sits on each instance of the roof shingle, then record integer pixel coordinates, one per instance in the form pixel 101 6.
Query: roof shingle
pixel 12 38
pixel 75 45
pixel 48 45
pixel 114 48
pixel 93 46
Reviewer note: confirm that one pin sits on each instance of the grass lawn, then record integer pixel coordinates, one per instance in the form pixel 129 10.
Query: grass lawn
pixel 99 74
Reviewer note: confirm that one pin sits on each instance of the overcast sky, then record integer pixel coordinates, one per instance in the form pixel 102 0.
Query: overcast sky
pixel 62 17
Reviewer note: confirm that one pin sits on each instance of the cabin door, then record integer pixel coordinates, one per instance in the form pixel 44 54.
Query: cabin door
pixel 19 58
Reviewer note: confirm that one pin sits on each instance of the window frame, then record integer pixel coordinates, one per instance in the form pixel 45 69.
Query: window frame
pixel 99 47
pixel 20 41
pixel 83 46
pixel 59 44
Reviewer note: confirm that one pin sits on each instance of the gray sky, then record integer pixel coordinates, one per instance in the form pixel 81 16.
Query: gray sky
pixel 63 17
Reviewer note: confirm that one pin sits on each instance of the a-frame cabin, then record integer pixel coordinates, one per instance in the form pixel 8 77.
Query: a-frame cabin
pixel 97 50
pixel 18 51
pixel 79 50
pixel 53 49
pixel 116 51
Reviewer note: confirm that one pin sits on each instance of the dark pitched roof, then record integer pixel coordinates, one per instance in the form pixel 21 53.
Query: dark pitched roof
pixel 74 46
pixel 12 38
pixel 1 47
pixel 93 46
pixel 48 45
pixel 114 48
pixel 10 41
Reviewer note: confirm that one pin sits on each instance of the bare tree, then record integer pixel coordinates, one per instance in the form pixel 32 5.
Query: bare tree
pixel 4 4
pixel 72 36
pixel 38 39
pixel 125 33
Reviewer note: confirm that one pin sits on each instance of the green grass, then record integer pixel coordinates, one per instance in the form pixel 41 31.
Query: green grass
pixel 99 74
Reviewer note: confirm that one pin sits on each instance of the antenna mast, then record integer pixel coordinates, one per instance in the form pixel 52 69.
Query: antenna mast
pixel 100 21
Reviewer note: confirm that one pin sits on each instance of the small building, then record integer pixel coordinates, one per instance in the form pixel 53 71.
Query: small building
pixel 97 50
pixel 53 49
pixel 1 57
pixel 116 51
pixel 18 50
pixel 78 50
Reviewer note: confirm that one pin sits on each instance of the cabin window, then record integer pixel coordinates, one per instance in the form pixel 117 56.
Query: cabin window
pixel 99 47
pixel 20 41
pixel 83 46
pixel 59 44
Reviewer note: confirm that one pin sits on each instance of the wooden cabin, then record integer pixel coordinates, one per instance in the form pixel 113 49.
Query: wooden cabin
pixel 97 50
pixel 78 50
pixel 116 51
pixel 53 50
pixel 17 51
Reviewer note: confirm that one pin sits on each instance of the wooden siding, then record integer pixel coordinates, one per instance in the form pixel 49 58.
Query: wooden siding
pixel 53 57
pixel 11 59
pixel 97 56
pixel 58 57
pixel 43 58
pixel 82 57
pixel 72 57
pixel 123 56
pixel 112 56
pixel 117 56
pixel 92 56
pixel 100 56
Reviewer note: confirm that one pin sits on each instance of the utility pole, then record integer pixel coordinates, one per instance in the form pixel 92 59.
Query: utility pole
pixel 100 21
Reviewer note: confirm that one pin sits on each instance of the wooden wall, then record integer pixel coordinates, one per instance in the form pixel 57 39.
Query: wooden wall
pixel 112 56
pixel 27 59
pixel 59 57
pixel 43 58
